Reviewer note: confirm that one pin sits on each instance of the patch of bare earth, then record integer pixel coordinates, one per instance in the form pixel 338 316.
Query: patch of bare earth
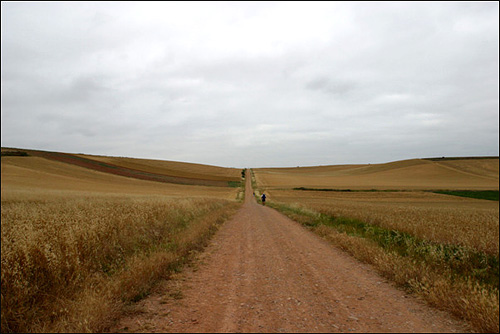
pixel 266 273
pixel 123 171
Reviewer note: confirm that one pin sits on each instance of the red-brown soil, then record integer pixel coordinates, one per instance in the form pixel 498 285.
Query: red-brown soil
pixel 263 272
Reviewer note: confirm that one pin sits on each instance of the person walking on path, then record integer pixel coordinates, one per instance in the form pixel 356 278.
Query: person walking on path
pixel 263 197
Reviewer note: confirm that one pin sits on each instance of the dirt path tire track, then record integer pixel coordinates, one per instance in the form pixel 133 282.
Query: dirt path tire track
pixel 266 273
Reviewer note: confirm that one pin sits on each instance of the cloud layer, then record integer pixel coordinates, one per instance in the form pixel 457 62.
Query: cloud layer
pixel 252 84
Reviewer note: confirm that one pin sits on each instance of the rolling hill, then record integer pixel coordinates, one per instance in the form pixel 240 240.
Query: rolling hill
pixel 40 171
pixel 144 169
pixel 417 174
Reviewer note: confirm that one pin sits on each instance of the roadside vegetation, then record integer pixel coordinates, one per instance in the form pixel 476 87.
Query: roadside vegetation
pixel 73 264
pixel 442 248
pixel 79 246
pixel 447 255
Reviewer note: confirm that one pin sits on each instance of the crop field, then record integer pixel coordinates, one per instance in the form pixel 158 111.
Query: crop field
pixel 172 168
pixel 84 236
pixel 434 217
pixel 142 169
pixel 31 174
pixel 78 244
pixel 422 174
pixel 442 247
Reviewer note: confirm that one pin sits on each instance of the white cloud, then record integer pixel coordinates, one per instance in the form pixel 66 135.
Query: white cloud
pixel 252 84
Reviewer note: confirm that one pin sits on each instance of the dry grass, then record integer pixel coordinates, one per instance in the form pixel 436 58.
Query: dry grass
pixel 443 248
pixel 56 250
pixel 439 218
pixel 78 245
pixel 464 298
pixel 445 252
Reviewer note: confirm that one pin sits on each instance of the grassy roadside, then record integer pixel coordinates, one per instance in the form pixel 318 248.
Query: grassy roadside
pixel 241 185
pixel 73 264
pixel 257 190
pixel 455 278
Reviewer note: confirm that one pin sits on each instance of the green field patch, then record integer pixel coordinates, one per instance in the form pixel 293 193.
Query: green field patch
pixel 350 190
pixel 491 195
pixel 235 184
pixel 14 154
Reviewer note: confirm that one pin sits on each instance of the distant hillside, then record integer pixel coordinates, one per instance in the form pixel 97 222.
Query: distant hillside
pixel 435 173
pixel 172 168
pixel 150 170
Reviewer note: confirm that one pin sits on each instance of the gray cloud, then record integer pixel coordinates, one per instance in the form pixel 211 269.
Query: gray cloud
pixel 252 84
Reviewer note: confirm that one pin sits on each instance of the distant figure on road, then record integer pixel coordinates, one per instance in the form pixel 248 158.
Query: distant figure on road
pixel 263 197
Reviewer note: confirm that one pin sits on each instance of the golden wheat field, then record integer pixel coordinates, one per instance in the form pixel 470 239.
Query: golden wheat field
pixel 32 174
pixel 436 217
pixel 444 248
pixel 473 174
pixel 79 244
pixel 172 168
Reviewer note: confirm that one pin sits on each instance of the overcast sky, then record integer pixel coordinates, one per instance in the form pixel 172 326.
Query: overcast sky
pixel 242 84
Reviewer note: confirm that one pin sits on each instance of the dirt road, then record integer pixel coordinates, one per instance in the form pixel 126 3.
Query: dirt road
pixel 266 273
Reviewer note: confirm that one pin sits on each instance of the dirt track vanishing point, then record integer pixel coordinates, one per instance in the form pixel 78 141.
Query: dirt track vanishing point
pixel 263 272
